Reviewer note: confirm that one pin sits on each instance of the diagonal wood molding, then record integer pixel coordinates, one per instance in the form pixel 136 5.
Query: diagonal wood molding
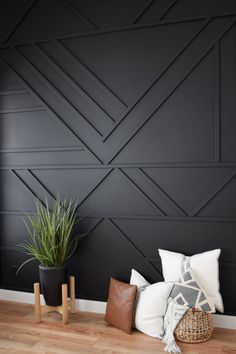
pixel 90 75
pixel 212 195
pixel 112 144
pixel 187 69
pixel 78 14
pixel 14 29
pixel 133 246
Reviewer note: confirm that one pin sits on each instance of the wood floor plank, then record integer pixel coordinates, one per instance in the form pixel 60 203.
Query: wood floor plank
pixel 87 333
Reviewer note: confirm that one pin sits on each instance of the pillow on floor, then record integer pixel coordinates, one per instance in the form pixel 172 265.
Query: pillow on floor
pixel 205 268
pixel 187 292
pixel 120 305
pixel 151 303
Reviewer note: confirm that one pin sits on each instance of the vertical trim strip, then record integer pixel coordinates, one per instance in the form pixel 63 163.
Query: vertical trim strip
pixel 217 102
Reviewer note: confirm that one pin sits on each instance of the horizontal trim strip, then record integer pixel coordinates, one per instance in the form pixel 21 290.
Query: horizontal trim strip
pixel 224 264
pixel 112 166
pixel 222 321
pixel 120 29
pixel 13 92
pixel 142 217
pixel 24 109
pixel 41 149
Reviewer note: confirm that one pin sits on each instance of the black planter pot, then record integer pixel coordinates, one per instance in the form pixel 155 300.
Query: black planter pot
pixel 51 279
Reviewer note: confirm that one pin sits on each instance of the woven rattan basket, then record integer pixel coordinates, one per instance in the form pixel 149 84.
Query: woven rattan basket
pixel 195 327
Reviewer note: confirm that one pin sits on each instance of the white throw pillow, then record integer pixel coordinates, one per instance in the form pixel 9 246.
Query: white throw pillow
pixel 151 303
pixel 205 268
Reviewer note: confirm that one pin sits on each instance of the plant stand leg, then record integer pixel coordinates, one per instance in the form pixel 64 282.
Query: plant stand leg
pixel 37 307
pixel 64 303
pixel 72 294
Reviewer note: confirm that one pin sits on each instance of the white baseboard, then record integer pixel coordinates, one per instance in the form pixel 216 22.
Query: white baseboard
pixel 28 298
pixel 224 321
pixel 221 321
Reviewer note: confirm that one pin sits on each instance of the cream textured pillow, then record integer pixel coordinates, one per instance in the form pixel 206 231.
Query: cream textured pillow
pixel 151 303
pixel 205 268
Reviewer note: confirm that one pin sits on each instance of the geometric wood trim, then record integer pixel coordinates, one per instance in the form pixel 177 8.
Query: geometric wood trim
pixel 180 210
pixel 194 63
pixel 205 23
pixel 49 110
pixel 91 75
pixel 72 82
pixel 41 149
pixel 13 30
pixel 78 14
pixel 217 103
pixel 119 165
pixel 141 192
pixel 120 29
pixel 71 106
pixel 212 195
pixel 132 246
pixel 140 15
pixel 54 90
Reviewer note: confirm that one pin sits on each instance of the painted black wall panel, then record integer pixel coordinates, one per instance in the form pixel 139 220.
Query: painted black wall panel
pixel 88 83
pixel 9 81
pixel 11 12
pixel 115 53
pixel 125 198
pixel 71 183
pixel 156 11
pixel 187 124
pixel 12 229
pixel 16 101
pixel 227 275
pixel 10 261
pixel 182 236
pixel 228 89
pixel 63 84
pixel 14 195
pixel 223 203
pixel 58 20
pixel 185 8
pixel 129 107
pixel 46 157
pixel 190 188
pixel 36 136
pixel 106 248
pixel 110 13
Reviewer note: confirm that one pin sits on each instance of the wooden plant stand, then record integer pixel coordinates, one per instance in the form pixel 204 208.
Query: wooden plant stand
pixel 63 309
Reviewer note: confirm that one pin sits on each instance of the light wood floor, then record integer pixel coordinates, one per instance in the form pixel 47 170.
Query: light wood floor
pixel 87 333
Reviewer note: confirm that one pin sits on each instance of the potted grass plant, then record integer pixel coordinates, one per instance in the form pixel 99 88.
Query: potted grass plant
pixel 52 243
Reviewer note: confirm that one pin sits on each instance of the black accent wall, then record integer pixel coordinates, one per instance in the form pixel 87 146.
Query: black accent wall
pixel 128 105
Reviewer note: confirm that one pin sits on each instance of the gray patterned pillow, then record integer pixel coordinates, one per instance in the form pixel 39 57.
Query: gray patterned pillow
pixel 187 291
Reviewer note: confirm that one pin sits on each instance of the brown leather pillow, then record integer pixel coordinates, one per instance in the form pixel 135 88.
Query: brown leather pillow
pixel 120 305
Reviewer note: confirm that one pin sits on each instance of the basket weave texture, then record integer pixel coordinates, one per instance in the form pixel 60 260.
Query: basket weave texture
pixel 196 326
